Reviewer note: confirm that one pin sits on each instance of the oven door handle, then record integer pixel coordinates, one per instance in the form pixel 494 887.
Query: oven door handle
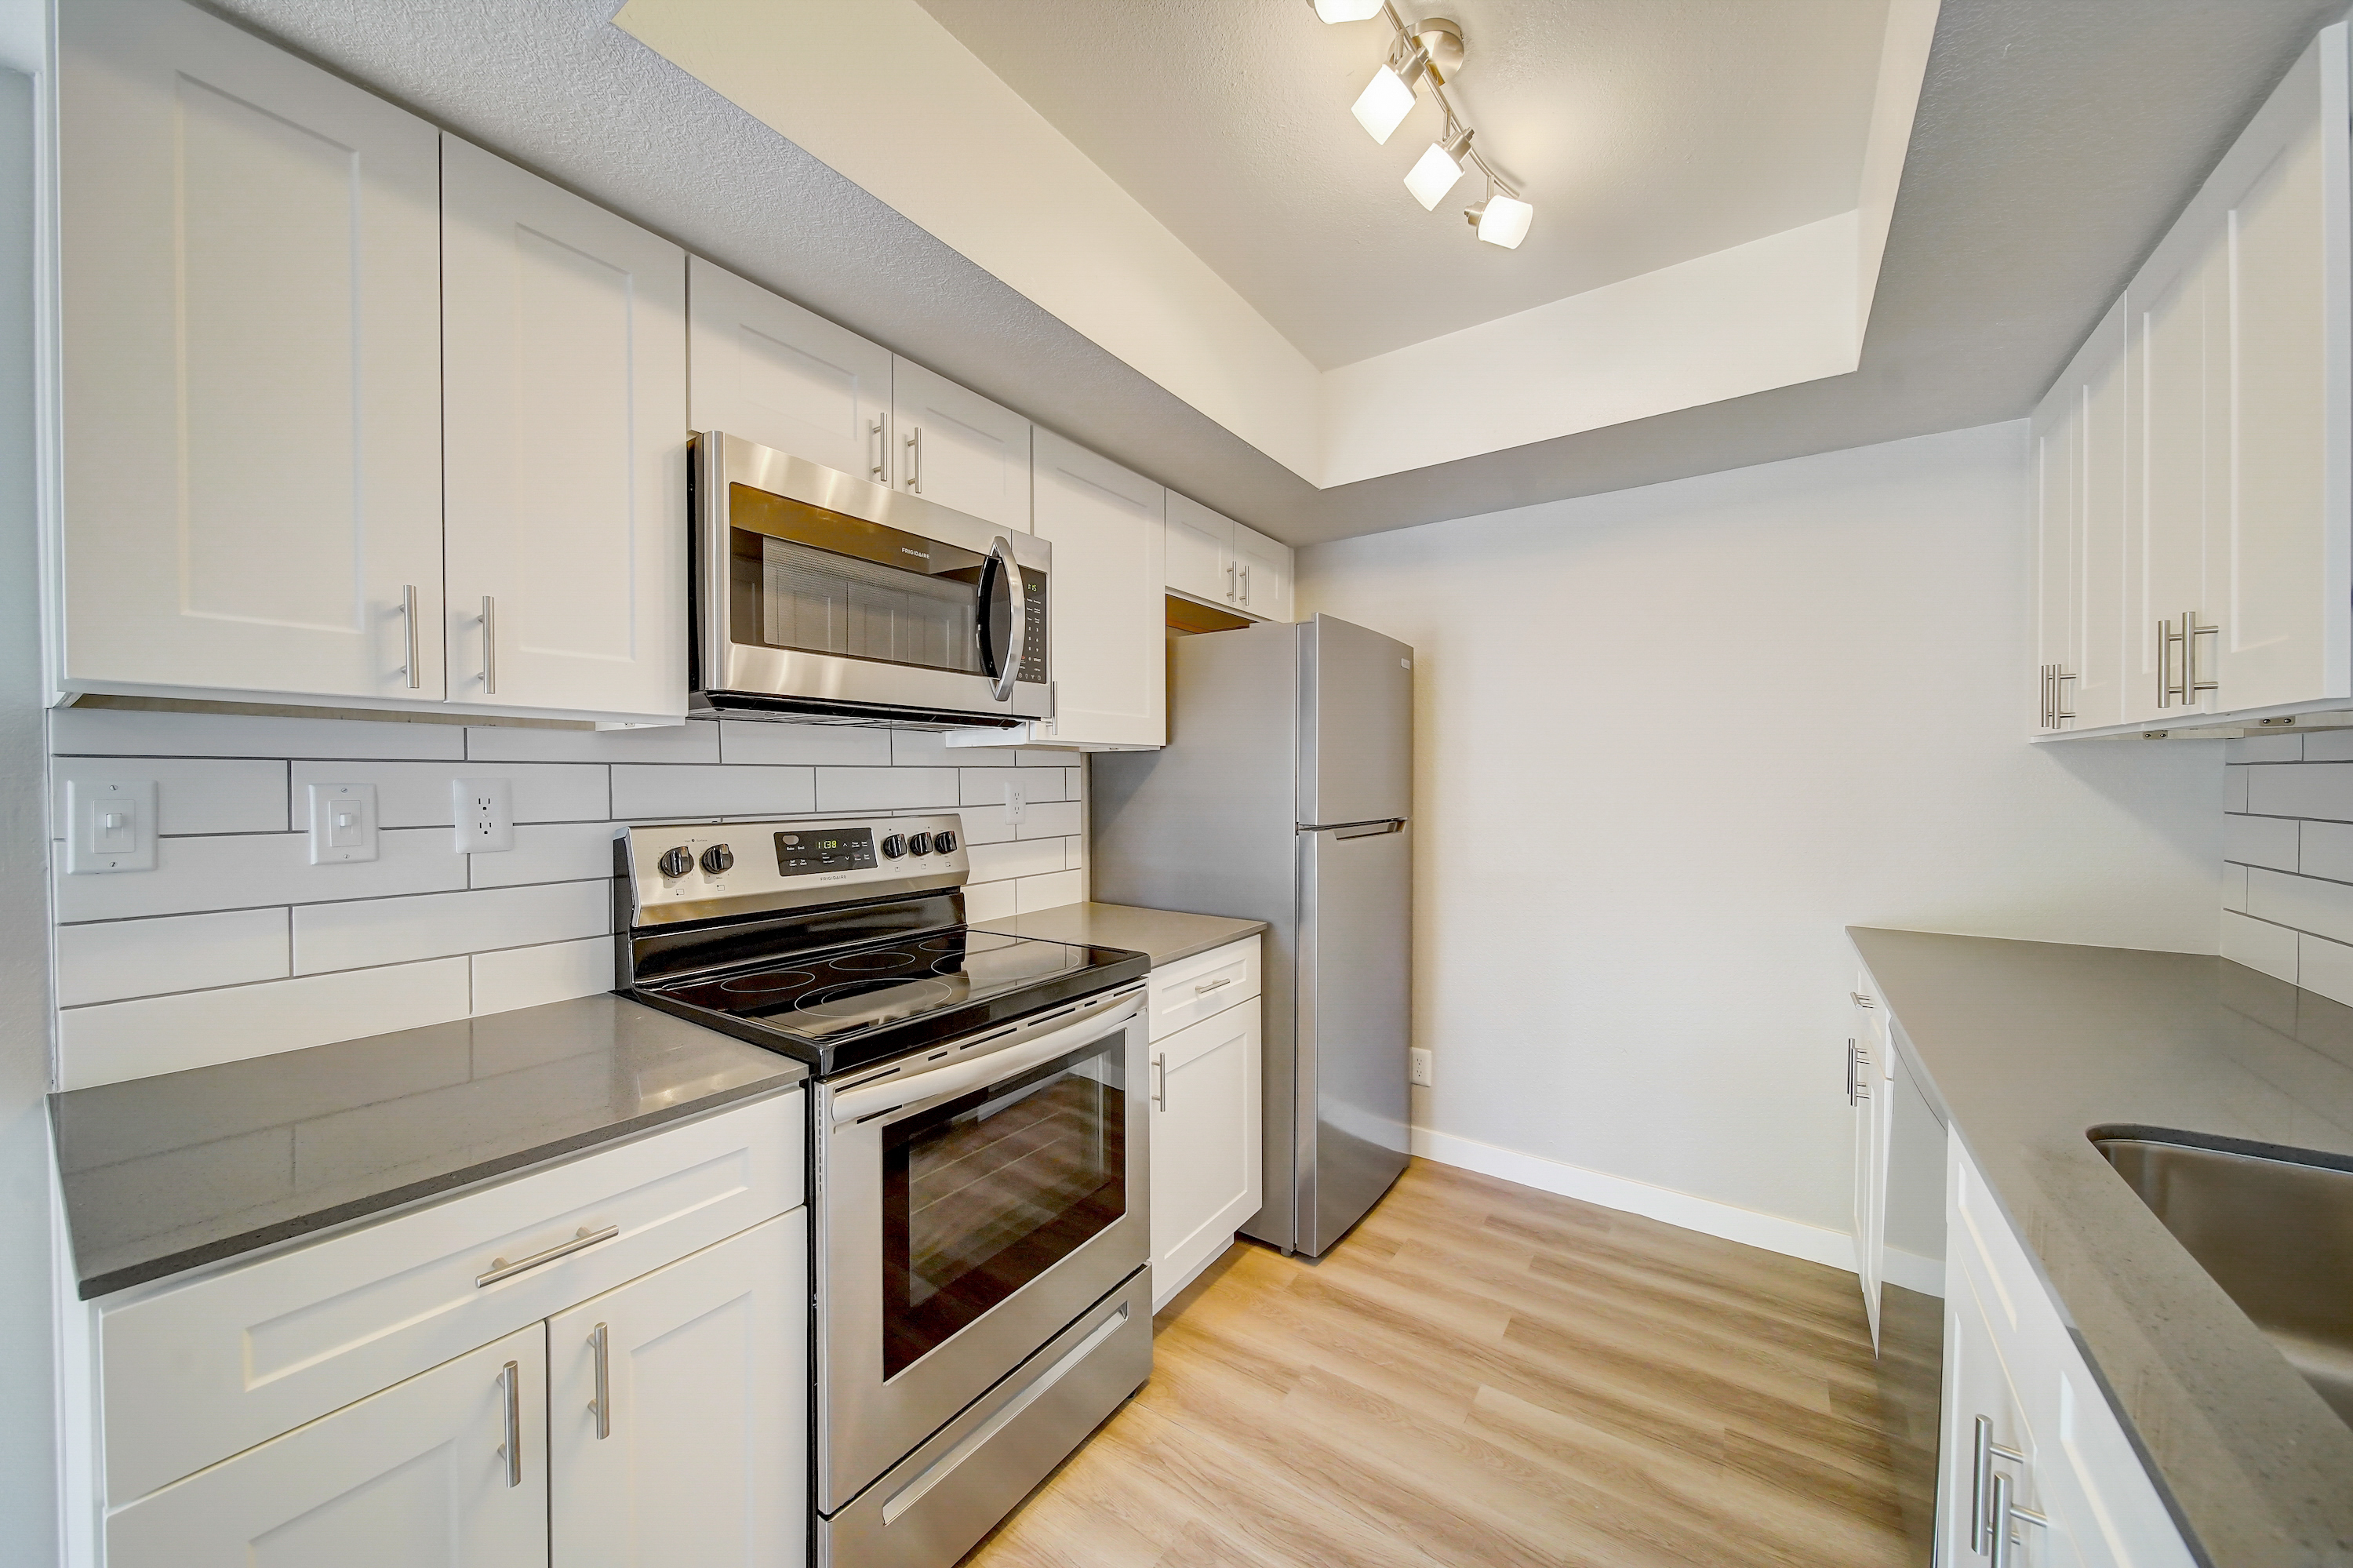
pixel 1001 563
pixel 955 1077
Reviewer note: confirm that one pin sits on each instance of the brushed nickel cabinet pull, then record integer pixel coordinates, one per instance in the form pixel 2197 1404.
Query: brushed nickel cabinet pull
pixel 2060 714
pixel 915 459
pixel 877 468
pixel 2191 633
pixel 511 1388
pixel 2172 676
pixel 1982 1475
pixel 2006 1516
pixel 1213 985
pixel 501 1269
pixel 409 621
pixel 1160 1076
pixel 490 645
pixel 603 1403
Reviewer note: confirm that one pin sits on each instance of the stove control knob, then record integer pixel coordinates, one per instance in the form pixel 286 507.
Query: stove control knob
pixel 893 847
pixel 944 843
pixel 718 858
pixel 920 844
pixel 677 862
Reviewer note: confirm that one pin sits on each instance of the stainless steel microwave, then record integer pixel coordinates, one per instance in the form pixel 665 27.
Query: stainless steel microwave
pixel 821 596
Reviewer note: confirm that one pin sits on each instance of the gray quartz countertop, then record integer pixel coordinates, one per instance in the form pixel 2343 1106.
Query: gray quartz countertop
pixel 2026 1046
pixel 166 1174
pixel 1163 934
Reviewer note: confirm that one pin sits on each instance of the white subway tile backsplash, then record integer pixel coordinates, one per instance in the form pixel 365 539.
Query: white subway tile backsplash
pixel 2234 887
pixel 2303 902
pixel 119 1040
pixel 1025 857
pixel 548 852
pixel 697 740
pixel 987 825
pixel 2271 949
pixel 2259 840
pixel 986 786
pixel 920 748
pixel 991 901
pixel 418 794
pixel 245 871
pixel 140 732
pixel 193 795
pixel 1050 820
pixel 117 958
pixel 2329 745
pixel 1042 758
pixel 2264 748
pixel 2234 788
pixel 1049 892
pixel 856 790
pixel 2325 967
pixel 329 937
pixel 2327 850
pixel 2322 790
pixel 529 977
pixel 645 794
pixel 804 745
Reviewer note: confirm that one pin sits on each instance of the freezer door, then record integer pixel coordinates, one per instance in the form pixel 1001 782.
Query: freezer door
pixel 1355 996
pixel 1356 739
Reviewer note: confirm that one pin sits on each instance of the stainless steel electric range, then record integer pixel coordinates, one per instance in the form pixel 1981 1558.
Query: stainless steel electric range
pixel 981 1246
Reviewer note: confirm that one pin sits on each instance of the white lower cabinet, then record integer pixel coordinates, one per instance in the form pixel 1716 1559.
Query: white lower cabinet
pixel 418 1476
pixel 672 1433
pixel 1206 1126
pixel 2031 1450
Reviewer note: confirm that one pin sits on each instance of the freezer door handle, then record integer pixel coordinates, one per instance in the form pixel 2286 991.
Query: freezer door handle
pixel 1355 829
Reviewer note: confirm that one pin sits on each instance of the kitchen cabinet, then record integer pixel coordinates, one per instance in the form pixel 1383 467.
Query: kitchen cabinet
pixel 250 281
pixel 563 448
pixel 2212 414
pixel 1204 1018
pixel 447 1469
pixel 956 446
pixel 2052 1445
pixel 1870 1093
pixel 1218 561
pixel 767 370
pixel 669 1439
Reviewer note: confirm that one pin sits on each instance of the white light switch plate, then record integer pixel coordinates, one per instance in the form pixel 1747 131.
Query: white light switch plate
pixel 1421 1074
pixel 342 824
pixel 485 814
pixel 110 824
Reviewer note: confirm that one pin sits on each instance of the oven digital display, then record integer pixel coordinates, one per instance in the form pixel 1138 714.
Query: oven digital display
pixel 813 850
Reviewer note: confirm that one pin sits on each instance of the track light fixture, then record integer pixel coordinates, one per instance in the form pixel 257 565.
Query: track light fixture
pixel 1430 51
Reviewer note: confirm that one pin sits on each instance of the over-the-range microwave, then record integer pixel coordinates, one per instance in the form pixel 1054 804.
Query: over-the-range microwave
pixel 817 594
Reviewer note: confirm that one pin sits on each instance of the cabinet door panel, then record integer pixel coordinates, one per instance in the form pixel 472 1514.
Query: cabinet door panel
pixel 766 370
pixel 1110 659
pixel 1201 551
pixel 2057 434
pixel 956 446
pixel 565 442
pixel 2176 347
pixel 705 1451
pixel 251 365
pixel 1263 567
pixel 2104 505
pixel 1206 1154
pixel 415 1477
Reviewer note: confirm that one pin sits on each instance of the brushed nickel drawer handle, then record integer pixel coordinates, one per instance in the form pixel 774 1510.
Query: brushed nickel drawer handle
pixel 1205 990
pixel 408 634
pixel 603 1403
pixel 1160 1073
pixel 501 1269
pixel 511 1385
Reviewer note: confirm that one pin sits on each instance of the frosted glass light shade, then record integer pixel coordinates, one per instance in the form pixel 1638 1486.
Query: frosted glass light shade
pixel 1432 177
pixel 1383 104
pixel 1347 10
pixel 1505 221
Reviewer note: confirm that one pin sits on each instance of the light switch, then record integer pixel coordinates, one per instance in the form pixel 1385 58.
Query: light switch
pixel 485 813
pixel 342 824
pixel 110 824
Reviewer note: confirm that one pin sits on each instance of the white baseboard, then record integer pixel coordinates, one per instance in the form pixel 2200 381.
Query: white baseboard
pixel 1910 1270
pixel 1793 1238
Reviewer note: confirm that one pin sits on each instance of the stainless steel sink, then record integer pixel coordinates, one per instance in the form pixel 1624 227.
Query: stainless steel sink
pixel 2276 1235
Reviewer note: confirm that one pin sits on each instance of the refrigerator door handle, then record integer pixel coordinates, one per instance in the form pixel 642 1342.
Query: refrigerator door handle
pixel 1355 829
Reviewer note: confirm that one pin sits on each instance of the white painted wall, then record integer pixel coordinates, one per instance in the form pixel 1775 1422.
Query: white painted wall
pixel 1672 740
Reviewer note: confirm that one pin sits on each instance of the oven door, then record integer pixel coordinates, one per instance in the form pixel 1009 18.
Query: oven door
pixel 969 1211
pixel 816 592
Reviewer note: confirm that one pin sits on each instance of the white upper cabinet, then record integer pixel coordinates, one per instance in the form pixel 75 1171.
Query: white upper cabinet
pixel 771 372
pixel 1218 561
pixel 249 275
pixel 957 447
pixel 1105 643
pixel 565 444
pixel 2057 436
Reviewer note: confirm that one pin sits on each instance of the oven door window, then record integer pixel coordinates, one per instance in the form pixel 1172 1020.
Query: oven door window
pixel 984 1192
pixel 808 581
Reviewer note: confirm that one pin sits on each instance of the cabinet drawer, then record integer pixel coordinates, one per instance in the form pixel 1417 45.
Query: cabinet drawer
pixel 195 1373
pixel 1190 989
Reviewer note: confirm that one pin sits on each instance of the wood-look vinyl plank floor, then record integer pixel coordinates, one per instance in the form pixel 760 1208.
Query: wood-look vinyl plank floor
pixel 1480 1373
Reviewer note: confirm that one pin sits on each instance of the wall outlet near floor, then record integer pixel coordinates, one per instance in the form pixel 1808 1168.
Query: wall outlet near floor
pixel 110 824
pixel 485 813
pixel 342 824
pixel 1421 1066
pixel 1016 804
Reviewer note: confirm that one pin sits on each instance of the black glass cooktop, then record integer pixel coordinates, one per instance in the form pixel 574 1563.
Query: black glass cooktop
pixel 857 1005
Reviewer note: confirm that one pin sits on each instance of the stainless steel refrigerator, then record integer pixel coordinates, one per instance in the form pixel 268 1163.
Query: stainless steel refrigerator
pixel 1285 794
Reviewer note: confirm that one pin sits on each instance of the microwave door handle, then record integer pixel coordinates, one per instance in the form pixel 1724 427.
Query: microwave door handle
pixel 1000 551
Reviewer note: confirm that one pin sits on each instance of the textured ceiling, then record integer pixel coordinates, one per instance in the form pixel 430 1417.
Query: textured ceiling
pixel 2054 143
pixel 1647 132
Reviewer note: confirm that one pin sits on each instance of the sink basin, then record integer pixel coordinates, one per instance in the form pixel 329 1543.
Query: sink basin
pixel 2276 1235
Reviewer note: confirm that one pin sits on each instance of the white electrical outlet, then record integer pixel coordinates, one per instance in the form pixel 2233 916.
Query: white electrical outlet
pixel 342 824
pixel 1421 1066
pixel 1015 803
pixel 485 812
pixel 110 824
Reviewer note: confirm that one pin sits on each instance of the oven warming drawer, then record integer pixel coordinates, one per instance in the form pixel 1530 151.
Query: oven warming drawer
pixel 927 1510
